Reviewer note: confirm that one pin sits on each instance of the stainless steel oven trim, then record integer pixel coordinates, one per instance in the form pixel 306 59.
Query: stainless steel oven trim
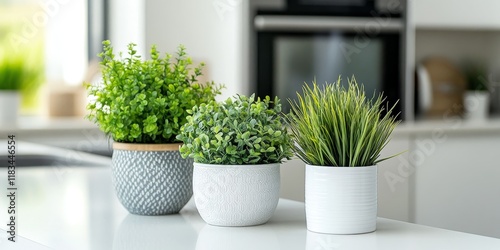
pixel 320 23
pixel 408 61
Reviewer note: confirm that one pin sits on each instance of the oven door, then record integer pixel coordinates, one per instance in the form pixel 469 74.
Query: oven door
pixel 292 54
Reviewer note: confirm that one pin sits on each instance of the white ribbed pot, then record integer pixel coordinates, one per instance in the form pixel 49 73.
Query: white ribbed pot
pixel 10 102
pixel 477 105
pixel 236 195
pixel 341 200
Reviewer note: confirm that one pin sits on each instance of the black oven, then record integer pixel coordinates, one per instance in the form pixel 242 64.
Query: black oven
pixel 292 50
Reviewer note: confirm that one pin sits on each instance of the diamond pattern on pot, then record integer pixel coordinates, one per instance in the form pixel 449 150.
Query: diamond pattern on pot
pixel 152 182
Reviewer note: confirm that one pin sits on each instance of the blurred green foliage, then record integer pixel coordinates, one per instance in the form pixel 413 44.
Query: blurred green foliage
pixel 21 58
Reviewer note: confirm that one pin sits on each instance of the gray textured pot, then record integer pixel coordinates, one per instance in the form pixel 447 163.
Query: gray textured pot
pixel 151 179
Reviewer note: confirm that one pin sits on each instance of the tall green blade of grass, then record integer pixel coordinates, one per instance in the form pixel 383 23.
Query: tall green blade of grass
pixel 336 126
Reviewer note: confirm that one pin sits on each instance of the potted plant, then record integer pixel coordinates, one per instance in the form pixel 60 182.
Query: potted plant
pixel 477 96
pixel 339 133
pixel 17 77
pixel 141 105
pixel 237 146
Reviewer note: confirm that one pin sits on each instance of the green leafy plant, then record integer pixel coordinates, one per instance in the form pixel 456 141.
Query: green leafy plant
pixel 146 101
pixel 475 75
pixel 335 126
pixel 240 131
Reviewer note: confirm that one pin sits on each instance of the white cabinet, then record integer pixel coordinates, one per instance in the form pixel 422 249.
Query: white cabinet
pixel 457 186
pixel 453 14
pixel 393 180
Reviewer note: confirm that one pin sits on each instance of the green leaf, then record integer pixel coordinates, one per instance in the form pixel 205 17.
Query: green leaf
pixel 246 135
pixel 150 128
pixel 231 150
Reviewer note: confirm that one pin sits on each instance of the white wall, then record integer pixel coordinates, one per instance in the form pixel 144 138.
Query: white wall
pixel 210 30
pixel 65 39
pixel 127 24
pixel 457 45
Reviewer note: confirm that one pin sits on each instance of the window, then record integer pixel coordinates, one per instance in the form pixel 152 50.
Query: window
pixel 52 35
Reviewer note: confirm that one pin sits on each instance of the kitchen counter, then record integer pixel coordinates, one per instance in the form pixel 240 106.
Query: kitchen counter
pixel 74 133
pixel 76 209
pixel 45 124
pixel 451 125
pixel 31 126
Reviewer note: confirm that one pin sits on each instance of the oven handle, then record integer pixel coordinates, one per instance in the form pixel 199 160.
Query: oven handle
pixel 384 24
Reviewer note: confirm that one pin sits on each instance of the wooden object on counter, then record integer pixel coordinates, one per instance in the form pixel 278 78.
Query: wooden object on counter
pixel 66 101
pixel 448 86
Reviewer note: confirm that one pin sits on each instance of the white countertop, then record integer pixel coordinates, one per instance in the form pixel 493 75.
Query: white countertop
pixel 68 207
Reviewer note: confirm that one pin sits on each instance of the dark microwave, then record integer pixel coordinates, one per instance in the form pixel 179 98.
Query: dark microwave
pixel 293 50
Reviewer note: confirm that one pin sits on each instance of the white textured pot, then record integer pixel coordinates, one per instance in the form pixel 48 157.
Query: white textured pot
pixel 341 200
pixel 477 105
pixel 10 102
pixel 236 195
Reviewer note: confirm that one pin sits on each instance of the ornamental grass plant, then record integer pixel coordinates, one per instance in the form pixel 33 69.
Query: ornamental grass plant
pixel 332 125
pixel 240 131
pixel 15 75
pixel 18 73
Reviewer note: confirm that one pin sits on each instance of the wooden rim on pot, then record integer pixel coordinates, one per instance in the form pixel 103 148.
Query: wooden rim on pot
pixel 146 147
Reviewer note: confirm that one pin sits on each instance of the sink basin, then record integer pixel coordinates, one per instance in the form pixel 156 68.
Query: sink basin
pixel 37 155
pixel 35 160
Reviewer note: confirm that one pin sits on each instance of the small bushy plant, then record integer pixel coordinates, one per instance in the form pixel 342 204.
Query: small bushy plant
pixel 335 126
pixel 238 131
pixel 476 76
pixel 146 101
